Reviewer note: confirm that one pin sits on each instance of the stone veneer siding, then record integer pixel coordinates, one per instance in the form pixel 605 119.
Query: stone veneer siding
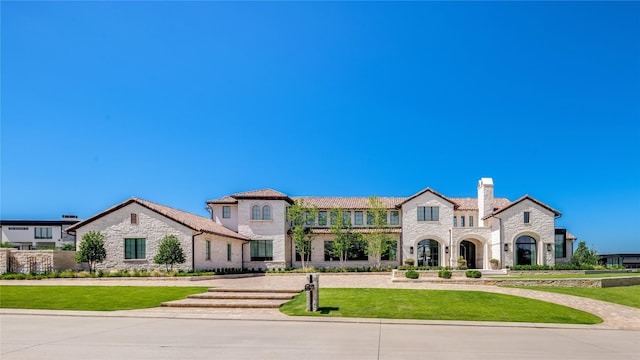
pixel 274 229
pixel 37 261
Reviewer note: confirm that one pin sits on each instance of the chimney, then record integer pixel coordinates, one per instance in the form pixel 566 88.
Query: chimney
pixel 485 197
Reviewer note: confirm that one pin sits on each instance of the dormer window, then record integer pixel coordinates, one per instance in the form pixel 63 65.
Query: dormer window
pixel 526 217
pixel 134 219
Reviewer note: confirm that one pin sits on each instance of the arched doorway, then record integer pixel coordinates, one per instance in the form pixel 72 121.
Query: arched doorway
pixel 468 252
pixel 525 250
pixel 428 253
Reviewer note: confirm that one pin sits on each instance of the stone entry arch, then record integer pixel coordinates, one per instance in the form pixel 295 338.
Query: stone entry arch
pixel 468 251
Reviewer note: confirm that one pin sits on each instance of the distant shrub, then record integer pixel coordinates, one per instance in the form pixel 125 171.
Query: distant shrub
pixel 412 274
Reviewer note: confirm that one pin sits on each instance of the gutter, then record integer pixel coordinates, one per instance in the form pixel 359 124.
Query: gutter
pixel 193 250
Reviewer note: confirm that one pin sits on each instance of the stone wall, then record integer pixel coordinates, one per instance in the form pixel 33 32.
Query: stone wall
pixel 36 261
pixel 274 229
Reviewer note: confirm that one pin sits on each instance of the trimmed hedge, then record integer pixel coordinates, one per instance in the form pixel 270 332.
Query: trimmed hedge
pixel 412 274
pixel 445 274
pixel 474 274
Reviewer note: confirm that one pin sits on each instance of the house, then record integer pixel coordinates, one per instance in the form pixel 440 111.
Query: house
pixel 628 261
pixel 251 230
pixel 38 234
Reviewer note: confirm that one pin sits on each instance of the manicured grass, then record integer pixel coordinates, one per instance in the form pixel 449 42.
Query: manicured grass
pixel 565 276
pixel 623 295
pixel 437 305
pixel 101 298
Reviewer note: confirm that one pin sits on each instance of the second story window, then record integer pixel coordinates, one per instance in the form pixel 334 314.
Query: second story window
pixel 369 218
pixel 266 212
pixel 395 218
pixel 43 233
pixel 255 212
pixel 309 220
pixel 461 221
pixel 322 218
pixel 134 219
pixel 470 221
pixel 359 218
pixel 428 213
pixel 455 221
pixel 526 217
pixel 346 217
pixel 226 212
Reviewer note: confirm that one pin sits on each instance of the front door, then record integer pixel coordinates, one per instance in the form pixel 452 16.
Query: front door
pixel 468 252
pixel 428 253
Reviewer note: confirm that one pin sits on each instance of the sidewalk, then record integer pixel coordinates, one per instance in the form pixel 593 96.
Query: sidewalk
pixel 614 316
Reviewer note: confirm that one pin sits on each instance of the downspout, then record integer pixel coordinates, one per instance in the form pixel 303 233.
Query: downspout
pixel 242 256
pixel 450 247
pixel 193 250
pixel 501 250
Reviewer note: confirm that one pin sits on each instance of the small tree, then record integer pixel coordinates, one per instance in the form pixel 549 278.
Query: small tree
pixel 91 249
pixel 377 240
pixel 169 252
pixel 584 256
pixel 344 238
pixel 302 218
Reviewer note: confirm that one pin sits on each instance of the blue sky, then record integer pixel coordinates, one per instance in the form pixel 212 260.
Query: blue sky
pixel 178 103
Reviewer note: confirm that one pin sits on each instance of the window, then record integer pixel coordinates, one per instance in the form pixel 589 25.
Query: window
pixel 470 221
pixel 18 228
pixel 333 217
pixel 255 212
pixel 228 252
pixel 526 217
pixel 428 213
pixel 359 218
pixel 134 249
pixel 358 251
pixel 395 218
pixel 328 252
pixel 226 212
pixel 461 221
pixel 455 221
pixel 266 212
pixel 309 220
pixel 261 250
pixel 390 251
pixel 369 218
pixel 561 243
pixel 322 218
pixel 525 251
pixel 43 233
pixel 134 219
pixel 207 250
pixel 346 218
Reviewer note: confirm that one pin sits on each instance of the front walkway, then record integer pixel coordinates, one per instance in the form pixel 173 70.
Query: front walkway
pixel 615 316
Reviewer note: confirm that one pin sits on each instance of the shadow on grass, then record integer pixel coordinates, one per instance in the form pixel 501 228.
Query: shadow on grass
pixel 327 310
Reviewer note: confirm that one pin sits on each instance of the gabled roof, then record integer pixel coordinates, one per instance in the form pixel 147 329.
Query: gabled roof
pixel 347 202
pixel 455 205
pixel 525 197
pixel 262 194
pixel 224 200
pixel 192 221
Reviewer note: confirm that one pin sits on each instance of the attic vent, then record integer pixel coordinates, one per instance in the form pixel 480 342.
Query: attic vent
pixel 134 219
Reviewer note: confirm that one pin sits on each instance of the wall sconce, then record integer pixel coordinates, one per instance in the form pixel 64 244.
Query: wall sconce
pixel 411 250
pixel 506 247
pixel 548 247
pixel 446 249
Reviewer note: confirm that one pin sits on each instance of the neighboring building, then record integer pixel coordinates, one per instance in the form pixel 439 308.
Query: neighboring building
pixel 629 261
pixel 252 231
pixel 38 234
pixel 135 228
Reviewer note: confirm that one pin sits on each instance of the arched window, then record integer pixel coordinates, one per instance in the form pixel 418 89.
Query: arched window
pixel 525 250
pixel 266 212
pixel 255 212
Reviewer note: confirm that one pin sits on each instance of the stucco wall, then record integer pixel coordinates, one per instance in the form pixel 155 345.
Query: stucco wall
pixel 274 229
pixel 229 223
pixel 218 252
pixel 153 227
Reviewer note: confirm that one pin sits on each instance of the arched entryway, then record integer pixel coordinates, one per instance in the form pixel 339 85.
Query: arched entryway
pixel 468 252
pixel 526 250
pixel 428 253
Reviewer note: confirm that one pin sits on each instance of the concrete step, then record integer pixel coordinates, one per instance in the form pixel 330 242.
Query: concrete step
pixel 244 295
pixel 225 303
pixel 278 291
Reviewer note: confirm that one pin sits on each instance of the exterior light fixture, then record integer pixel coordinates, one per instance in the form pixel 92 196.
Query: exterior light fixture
pixel 446 249
pixel 411 250
pixel 548 247
pixel 506 247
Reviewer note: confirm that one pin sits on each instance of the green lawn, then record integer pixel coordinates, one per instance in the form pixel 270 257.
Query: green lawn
pixel 102 298
pixel 623 295
pixel 437 305
pixel 565 276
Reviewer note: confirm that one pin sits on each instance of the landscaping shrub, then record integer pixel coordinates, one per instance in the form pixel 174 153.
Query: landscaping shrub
pixel 474 274
pixel 445 274
pixel 412 274
pixel 409 262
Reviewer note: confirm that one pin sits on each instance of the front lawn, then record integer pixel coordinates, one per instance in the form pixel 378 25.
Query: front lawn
pixel 437 305
pixel 101 298
pixel 623 295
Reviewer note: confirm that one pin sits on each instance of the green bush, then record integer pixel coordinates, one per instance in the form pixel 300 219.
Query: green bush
pixel 474 274
pixel 445 274
pixel 462 267
pixel 411 274
pixel 409 262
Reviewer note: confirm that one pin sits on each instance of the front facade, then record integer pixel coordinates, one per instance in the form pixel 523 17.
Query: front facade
pixel 38 234
pixel 250 230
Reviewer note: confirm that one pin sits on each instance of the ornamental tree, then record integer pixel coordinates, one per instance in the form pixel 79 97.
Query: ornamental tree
pixel 584 256
pixel 302 218
pixel 169 252
pixel 377 239
pixel 344 237
pixel 91 249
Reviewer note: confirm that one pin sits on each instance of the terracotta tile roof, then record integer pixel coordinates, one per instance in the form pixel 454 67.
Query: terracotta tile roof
pixel 472 203
pixel 347 202
pixel 570 236
pixel 357 230
pixel 525 197
pixel 224 200
pixel 431 191
pixel 262 194
pixel 192 221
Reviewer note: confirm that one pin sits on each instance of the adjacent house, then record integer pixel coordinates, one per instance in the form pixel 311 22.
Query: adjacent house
pixel 38 234
pixel 251 230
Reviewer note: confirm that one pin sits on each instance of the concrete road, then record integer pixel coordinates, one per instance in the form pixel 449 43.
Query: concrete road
pixel 78 337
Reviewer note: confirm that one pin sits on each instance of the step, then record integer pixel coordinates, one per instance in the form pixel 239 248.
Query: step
pixel 243 295
pixel 225 303
pixel 278 291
